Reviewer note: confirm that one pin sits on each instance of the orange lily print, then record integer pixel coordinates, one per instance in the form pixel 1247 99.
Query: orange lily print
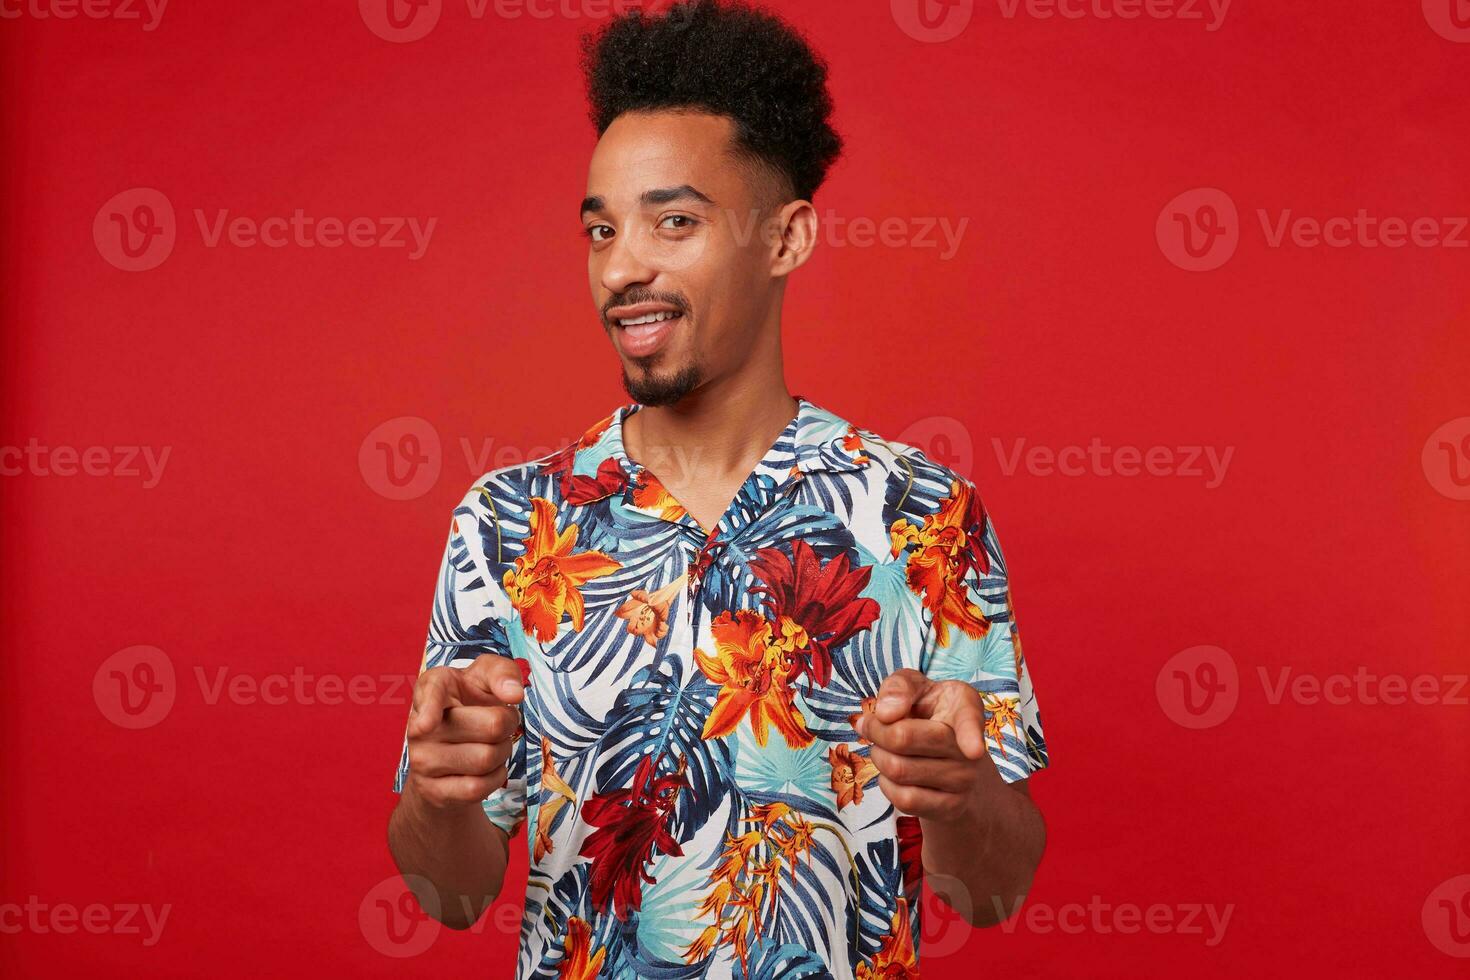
pixel 543 584
pixel 811 608
pixel 647 612
pixel 576 964
pixel 752 670
pixel 687 774
pixel 948 545
pixel 650 494
pixel 849 773
pixel 895 959
pixel 563 795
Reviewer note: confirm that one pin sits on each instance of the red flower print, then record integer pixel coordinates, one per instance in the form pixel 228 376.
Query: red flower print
pixel 812 607
pixel 630 823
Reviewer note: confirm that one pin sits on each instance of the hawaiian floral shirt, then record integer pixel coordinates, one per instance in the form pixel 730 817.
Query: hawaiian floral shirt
pixel 696 801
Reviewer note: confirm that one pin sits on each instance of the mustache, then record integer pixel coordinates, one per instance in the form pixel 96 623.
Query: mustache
pixel 635 296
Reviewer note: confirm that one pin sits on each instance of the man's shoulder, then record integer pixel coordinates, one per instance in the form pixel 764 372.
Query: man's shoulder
pixel 543 474
pixel 904 463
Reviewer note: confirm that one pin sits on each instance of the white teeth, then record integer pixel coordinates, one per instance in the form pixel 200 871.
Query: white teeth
pixel 647 318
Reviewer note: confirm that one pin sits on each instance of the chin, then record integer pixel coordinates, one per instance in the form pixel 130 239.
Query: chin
pixel 655 390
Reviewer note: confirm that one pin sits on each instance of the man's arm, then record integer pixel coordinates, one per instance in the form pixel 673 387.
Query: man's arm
pixel 460 737
pixel 454 861
pixel 983 837
pixel 982 862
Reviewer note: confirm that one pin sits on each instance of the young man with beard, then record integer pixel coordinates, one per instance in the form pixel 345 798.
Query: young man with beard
pixel 746 673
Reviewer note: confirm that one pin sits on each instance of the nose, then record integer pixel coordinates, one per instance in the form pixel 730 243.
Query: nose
pixel 625 265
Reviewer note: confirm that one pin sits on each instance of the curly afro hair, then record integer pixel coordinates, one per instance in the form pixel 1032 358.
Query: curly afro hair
pixel 728 59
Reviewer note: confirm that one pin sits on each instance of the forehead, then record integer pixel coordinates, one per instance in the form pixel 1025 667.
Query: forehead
pixel 646 150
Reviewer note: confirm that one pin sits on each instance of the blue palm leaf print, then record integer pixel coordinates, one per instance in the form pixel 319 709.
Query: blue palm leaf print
pixel 695 800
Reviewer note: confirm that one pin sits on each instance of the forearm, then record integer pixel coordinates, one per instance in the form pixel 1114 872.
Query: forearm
pixel 456 852
pixel 982 863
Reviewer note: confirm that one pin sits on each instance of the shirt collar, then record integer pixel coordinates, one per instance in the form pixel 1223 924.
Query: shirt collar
pixel 819 440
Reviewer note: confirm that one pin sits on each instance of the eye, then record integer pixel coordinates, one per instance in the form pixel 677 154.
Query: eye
pixel 598 233
pixel 680 222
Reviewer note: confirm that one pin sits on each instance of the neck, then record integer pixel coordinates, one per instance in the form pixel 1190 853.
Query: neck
pixel 719 431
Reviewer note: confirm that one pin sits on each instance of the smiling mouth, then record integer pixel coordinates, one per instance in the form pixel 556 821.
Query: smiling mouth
pixel 645 334
pixel 647 319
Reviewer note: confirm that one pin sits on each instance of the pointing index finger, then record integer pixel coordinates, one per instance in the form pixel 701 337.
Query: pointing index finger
pixel 494 679
pixel 897 693
pixel 431 697
pixel 969 728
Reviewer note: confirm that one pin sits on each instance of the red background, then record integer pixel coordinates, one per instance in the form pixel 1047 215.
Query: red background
pixel 265 548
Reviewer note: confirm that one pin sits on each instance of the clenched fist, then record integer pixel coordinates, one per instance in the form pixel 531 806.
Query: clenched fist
pixel 461 730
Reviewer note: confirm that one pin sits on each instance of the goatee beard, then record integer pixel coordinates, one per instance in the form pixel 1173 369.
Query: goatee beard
pixel 654 390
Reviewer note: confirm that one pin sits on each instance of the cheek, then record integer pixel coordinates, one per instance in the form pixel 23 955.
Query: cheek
pixel 594 276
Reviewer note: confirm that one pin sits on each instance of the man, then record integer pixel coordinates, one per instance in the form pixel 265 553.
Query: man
pixel 745 673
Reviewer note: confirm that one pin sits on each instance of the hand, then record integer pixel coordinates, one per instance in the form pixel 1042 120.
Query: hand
pixel 928 741
pixel 461 730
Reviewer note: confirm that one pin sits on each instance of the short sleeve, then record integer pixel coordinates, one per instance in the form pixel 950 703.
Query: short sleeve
pixel 469 619
pixel 980 644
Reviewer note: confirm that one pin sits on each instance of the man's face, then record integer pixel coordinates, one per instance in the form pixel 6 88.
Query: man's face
pixel 679 266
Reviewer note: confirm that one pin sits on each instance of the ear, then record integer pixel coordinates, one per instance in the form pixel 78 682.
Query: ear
pixel 794 237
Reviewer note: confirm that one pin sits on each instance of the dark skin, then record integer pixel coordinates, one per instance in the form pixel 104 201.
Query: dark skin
pixel 983 836
pixel 673 212
pixel 677 221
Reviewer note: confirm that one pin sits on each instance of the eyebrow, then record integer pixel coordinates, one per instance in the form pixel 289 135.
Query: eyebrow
pixel 658 195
